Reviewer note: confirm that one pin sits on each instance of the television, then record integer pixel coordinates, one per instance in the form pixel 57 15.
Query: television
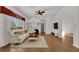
pixel 56 25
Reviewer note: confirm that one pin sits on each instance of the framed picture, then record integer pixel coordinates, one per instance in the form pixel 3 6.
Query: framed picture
pixel 56 25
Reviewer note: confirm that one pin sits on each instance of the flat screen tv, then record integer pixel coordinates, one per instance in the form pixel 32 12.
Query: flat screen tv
pixel 56 25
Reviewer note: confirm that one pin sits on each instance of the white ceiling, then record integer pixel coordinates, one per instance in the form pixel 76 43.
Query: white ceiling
pixel 30 10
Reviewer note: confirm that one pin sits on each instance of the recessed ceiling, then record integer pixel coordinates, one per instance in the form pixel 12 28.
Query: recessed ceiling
pixel 30 10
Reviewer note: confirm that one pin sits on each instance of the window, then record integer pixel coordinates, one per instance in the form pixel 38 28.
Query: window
pixel 16 23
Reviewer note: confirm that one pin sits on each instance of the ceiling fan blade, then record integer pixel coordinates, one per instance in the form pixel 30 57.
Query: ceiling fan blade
pixel 43 12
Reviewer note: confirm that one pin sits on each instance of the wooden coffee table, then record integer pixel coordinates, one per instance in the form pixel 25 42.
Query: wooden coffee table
pixel 33 37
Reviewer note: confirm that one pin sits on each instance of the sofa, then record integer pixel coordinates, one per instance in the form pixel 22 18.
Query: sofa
pixel 15 37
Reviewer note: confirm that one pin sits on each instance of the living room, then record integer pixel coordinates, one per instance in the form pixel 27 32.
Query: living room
pixel 39 28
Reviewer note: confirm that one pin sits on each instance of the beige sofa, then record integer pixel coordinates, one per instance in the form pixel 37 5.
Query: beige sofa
pixel 17 38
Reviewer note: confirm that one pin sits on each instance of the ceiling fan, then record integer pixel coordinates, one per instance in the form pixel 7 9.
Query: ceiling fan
pixel 40 12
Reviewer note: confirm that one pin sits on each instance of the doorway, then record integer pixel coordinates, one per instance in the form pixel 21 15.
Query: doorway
pixel 42 28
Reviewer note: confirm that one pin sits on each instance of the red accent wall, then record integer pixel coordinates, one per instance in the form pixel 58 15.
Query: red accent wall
pixel 8 12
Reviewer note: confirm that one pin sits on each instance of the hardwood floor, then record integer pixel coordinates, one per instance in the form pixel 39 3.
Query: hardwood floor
pixel 55 45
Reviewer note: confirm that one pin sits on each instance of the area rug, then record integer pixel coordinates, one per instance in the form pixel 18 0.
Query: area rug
pixel 40 43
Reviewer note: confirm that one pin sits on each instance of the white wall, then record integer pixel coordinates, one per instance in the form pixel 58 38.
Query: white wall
pixel 76 32
pixel 68 16
pixel 32 24
pixel 48 24
pixel 58 32
pixel 70 22
pixel 1 31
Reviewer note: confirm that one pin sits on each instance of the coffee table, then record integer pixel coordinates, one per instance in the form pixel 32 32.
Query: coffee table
pixel 32 37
